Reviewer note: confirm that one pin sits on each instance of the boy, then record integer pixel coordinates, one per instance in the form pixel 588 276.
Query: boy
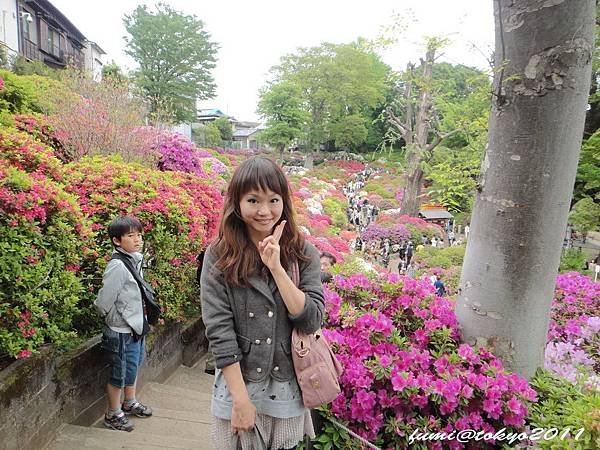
pixel 119 302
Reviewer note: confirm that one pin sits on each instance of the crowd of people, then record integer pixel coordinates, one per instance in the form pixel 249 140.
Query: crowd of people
pixel 360 212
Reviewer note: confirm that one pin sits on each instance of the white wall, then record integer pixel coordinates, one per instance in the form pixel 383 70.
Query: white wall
pixel 8 25
pixel 93 60
pixel 182 128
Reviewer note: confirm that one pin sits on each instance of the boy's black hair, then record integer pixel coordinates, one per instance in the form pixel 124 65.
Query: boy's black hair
pixel 122 225
pixel 328 255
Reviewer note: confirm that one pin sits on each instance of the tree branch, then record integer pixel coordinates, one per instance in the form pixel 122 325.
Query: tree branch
pixel 396 122
pixel 439 137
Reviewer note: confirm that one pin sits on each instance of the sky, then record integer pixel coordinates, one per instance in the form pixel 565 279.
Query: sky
pixel 254 35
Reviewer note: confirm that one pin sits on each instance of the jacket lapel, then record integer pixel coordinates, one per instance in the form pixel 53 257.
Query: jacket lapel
pixel 259 284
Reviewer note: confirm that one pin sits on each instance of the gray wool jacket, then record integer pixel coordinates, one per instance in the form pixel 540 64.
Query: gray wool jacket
pixel 251 324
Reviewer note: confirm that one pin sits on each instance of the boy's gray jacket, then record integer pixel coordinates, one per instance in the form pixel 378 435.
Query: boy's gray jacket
pixel 119 301
pixel 251 324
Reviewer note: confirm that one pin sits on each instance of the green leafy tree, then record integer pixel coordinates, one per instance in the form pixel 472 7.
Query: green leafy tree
pixel 113 71
pixel 335 81
pixel 175 57
pixel 587 181
pixel 208 135
pixel 452 187
pixel 585 216
pixel 225 129
pixel 281 105
pixel 349 131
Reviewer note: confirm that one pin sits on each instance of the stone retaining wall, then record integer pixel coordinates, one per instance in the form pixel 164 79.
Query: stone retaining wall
pixel 42 392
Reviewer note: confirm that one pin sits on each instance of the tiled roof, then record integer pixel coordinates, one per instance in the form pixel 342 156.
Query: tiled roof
pixel 245 132
pixel 435 214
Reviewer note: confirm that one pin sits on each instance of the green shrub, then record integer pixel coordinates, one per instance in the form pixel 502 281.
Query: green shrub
pixel 32 93
pixel 18 95
pixel 353 264
pixel 333 206
pixel 416 232
pixel 440 257
pixel 339 219
pixel 376 187
pixel 572 260
pixel 562 405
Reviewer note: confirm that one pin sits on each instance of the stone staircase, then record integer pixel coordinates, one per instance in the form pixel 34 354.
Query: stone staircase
pixel 181 418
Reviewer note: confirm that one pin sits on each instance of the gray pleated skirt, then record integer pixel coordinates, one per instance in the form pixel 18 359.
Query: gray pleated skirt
pixel 278 433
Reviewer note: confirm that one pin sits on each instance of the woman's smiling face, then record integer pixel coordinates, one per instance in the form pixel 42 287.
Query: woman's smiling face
pixel 261 211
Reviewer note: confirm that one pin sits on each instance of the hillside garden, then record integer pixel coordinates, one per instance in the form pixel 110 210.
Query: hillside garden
pixel 71 161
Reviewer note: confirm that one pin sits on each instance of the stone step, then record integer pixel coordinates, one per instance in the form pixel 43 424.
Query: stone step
pixel 184 424
pixel 162 396
pixel 73 437
pixel 192 378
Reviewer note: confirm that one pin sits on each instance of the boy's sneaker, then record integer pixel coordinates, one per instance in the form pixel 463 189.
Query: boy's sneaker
pixel 137 409
pixel 119 422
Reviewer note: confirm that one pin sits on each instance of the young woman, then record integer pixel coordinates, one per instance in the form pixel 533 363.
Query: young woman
pixel 250 306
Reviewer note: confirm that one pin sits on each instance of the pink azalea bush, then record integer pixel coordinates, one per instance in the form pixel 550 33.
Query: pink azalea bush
pixel 177 152
pixel 325 245
pixel 396 233
pixel 406 369
pixel 179 212
pixel 349 165
pixel 38 127
pixel 41 231
pixel 415 225
pixel 574 330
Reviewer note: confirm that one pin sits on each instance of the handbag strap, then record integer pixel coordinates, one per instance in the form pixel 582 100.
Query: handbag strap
pixel 296 273
pixel 258 440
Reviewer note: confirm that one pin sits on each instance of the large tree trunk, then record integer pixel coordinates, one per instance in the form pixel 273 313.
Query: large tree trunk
pixel 309 159
pixel 543 60
pixel 412 193
pixel 418 152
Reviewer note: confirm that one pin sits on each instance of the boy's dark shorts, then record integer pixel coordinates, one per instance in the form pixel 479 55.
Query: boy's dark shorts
pixel 124 356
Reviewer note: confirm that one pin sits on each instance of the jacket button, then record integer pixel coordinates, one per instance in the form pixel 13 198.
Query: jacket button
pixel 270 314
pixel 251 314
pixel 269 341
pixel 276 369
pixel 258 369
pixel 257 341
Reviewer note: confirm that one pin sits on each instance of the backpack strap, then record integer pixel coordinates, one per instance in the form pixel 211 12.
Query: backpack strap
pixel 128 261
pixel 152 309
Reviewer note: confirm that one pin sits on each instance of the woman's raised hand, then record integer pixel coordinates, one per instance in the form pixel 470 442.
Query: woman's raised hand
pixel 269 249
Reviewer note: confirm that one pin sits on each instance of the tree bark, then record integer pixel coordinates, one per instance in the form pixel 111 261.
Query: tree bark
pixel 543 66
pixel 412 193
pixel 309 160
pixel 416 153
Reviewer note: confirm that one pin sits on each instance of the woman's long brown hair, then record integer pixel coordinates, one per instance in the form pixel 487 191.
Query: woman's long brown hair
pixel 237 256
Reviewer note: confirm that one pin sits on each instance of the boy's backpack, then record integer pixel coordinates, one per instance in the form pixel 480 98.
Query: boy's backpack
pixel 317 369
pixel 152 308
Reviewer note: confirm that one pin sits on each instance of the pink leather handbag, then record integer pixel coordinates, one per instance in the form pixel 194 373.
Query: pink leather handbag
pixel 317 369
